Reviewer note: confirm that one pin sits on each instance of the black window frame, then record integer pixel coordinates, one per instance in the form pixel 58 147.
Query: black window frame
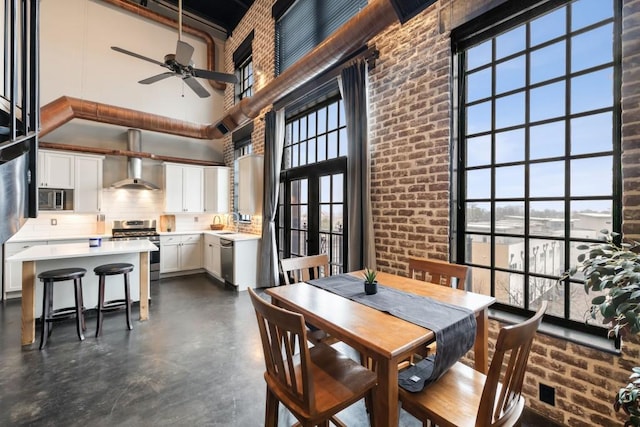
pixel 488 27
pixel 243 65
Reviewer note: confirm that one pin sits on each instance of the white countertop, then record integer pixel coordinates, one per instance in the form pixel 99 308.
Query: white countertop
pixel 220 233
pixel 77 250
pixel 56 237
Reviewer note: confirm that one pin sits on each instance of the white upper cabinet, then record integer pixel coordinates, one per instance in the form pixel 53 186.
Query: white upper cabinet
pixel 183 188
pixel 88 188
pixel 216 189
pixel 56 170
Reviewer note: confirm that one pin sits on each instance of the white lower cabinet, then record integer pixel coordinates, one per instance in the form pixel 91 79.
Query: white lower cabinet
pixel 13 270
pixel 245 263
pixel 180 253
pixel 212 255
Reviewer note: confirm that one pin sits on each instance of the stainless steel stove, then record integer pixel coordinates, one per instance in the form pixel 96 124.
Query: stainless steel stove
pixel 140 230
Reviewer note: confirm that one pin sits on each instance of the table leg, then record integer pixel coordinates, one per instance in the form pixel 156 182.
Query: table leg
pixel 385 394
pixel 144 285
pixel 481 346
pixel 28 302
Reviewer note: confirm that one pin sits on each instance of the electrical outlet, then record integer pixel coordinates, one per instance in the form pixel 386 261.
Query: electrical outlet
pixel 54 221
pixel 195 219
pixel 547 394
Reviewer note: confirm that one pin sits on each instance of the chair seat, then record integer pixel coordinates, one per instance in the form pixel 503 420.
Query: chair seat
pixel 111 269
pixel 454 399
pixel 62 274
pixel 338 382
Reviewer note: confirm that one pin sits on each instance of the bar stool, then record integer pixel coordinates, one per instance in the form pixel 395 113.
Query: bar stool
pixel 49 315
pixel 102 272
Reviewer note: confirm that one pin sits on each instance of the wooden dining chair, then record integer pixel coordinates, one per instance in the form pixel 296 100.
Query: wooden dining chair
pixel 465 397
pixel 314 384
pixel 438 272
pixel 301 269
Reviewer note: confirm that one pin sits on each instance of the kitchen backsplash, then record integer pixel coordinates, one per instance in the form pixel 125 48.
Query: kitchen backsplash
pixel 119 204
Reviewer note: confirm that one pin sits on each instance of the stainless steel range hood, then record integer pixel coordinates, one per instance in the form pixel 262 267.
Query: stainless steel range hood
pixel 134 179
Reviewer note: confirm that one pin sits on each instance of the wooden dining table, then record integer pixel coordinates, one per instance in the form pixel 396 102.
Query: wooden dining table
pixel 386 339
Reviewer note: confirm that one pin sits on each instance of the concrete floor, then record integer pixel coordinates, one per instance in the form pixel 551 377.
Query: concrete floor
pixel 196 362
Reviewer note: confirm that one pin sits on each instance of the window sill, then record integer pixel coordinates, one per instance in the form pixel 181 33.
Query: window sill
pixel 555 331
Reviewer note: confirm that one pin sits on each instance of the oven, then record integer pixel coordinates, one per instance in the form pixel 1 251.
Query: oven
pixel 140 230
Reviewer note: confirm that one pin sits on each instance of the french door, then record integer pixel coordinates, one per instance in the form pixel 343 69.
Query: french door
pixel 311 212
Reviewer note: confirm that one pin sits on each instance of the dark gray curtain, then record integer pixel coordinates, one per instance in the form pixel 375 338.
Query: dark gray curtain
pixel 273 145
pixel 353 86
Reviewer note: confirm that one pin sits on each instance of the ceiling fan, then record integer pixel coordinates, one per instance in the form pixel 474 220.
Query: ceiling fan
pixel 181 65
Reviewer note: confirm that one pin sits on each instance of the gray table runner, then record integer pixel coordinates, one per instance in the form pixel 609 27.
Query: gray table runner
pixel 454 327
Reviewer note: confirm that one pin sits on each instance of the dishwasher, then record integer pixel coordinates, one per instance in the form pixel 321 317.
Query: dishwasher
pixel 226 260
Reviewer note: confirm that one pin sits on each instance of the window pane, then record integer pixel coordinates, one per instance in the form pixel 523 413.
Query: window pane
pixel 332 116
pixel 479 249
pixel 322 148
pixel 546 218
pixel 332 140
pixel 510 288
pixel 479 55
pixel 342 151
pixel 478 217
pixel 338 185
pixel 547 140
pixel 581 303
pixel 479 118
pixel 337 218
pixel 479 184
pixel 547 101
pixel 311 151
pixel 588 217
pixel 479 150
pixel 587 12
pixel 592 134
pixel 304 187
pixel 295 131
pixel 322 120
pixel 592 48
pixel 303 153
pixel 325 218
pixel 325 189
pixel 304 217
pixel 303 128
pixel 311 124
pixel 592 91
pixel 546 179
pixel 549 256
pixel 480 279
pixel 511 42
pixel 295 156
pixel 510 146
pixel 510 217
pixel 548 62
pixel 548 26
pixel 510 75
pixel 510 182
pixel 479 85
pixel 510 110
pixel 582 176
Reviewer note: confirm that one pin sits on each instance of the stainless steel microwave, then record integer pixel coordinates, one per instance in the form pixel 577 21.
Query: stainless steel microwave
pixel 55 199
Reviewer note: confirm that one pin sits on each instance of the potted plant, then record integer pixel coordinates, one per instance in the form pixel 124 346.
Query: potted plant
pixel 370 282
pixel 614 270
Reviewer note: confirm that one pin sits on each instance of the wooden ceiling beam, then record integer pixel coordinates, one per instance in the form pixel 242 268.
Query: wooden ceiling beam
pixel 127 153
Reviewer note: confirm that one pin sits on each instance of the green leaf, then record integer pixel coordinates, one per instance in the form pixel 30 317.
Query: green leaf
pixel 599 300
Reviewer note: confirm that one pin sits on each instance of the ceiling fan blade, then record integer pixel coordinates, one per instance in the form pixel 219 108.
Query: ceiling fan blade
pixel 214 75
pixel 196 87
pixel 183 53
pixel 157 78
pixel 126 52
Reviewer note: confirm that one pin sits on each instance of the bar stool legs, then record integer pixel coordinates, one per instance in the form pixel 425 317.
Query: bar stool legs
pixel 109 270
pixel 49 315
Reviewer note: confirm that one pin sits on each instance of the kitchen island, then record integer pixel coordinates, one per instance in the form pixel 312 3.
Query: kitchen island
pixel 48 257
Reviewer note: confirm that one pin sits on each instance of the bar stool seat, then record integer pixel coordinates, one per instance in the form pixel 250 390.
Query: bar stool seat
pixel 49 315
pixel 102 272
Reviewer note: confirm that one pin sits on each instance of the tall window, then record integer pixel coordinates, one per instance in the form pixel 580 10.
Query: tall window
pixel 243 61
pixel 242 146
pixel 539 141
pixel 303 25
pixel 312 200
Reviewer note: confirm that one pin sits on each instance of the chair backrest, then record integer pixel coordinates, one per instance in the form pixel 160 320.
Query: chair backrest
pixel 301 268
pixel 501 400
pixel 441 272
pixel 282 332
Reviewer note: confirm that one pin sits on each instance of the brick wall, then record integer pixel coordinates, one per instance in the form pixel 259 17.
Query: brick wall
pixel 410 105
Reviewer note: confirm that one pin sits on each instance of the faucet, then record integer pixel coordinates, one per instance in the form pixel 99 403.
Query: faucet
pixel 235 217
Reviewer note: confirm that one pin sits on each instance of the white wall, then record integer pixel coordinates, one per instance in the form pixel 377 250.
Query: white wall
pixel 77 61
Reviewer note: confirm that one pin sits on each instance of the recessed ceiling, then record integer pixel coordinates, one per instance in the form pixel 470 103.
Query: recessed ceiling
pixel 225 14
